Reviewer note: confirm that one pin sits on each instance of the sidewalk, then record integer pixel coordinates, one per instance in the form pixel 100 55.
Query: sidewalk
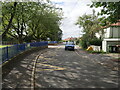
pixel 109 60
pixel 113 55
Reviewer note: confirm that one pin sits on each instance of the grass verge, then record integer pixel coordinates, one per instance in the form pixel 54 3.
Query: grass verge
pixel 2 46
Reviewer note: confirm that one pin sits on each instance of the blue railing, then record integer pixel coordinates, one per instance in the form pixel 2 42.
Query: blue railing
pixel 52 42
pixel 11 51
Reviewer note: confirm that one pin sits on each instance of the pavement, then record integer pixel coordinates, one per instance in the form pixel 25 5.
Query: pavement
pixel 57 68
pixel 114 55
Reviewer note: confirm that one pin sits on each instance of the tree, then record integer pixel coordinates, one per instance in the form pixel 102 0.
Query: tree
pixel 45 24
pixel 91 25
pixel 32 20
pixel 111 9
pixel 18 28
pixel 7 9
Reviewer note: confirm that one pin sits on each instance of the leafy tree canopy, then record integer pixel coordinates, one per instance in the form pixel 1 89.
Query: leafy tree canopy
pixel 111 9
pixel 25 21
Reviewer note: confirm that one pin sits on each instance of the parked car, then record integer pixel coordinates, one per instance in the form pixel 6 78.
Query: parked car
pixel 70 46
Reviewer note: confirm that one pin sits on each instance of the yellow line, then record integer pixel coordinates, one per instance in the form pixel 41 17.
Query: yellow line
pixel 50 69
pixel 33 73
pixel 41 57
pixel 57 68
pixel 45 58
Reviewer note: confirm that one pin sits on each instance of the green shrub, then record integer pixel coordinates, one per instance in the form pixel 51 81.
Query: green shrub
pixel 83 44
pixel 77 42
pixel 97 42
pixel 87 41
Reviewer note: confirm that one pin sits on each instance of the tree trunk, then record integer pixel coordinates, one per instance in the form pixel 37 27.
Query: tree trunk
pixel 20 40
pixel 10 22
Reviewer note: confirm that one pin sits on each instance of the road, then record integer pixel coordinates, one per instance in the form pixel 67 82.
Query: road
pixel 56 68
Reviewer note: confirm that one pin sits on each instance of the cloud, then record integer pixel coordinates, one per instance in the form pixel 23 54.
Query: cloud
pixel 72 10
pixel 58 3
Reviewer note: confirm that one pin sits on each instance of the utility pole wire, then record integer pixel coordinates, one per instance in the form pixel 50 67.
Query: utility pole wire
pixel 74 6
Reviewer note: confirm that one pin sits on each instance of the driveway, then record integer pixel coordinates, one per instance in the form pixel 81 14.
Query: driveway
pixel 57 68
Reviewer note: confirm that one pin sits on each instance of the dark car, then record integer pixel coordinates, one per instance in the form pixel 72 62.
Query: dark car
pixel 69 46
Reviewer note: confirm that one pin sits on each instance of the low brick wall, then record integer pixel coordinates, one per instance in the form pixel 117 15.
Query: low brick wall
pixel 8 65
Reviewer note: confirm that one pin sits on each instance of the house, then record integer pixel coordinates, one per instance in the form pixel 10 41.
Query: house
pixel 73 39
pixel 70 39
pixel 111 38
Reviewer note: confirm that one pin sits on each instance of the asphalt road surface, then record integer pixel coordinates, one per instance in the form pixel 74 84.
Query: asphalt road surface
pixel 56 68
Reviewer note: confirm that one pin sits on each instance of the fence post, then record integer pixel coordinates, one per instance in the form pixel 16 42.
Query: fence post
pixel 17 48
pixel 7 54
pixel 23 47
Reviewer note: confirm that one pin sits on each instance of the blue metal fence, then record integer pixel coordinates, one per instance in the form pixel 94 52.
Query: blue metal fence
pixel 52 42
pixel 11 51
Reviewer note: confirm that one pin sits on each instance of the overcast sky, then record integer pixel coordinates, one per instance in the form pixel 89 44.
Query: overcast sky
pixel 72 9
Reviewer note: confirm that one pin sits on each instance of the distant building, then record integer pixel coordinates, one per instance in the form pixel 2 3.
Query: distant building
pixel 70 39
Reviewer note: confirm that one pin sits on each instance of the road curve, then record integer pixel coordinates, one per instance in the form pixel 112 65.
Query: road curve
pixel 57 68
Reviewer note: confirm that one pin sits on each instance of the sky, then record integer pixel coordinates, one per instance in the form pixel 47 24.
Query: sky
pixel 72 9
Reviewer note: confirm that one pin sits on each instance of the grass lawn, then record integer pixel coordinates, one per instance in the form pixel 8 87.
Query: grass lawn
pixel 1 46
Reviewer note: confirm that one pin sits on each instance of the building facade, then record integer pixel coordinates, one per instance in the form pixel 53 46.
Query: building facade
pixel 111 38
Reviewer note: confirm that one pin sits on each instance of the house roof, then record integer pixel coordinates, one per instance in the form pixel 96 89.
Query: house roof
pixel 116 24
pixel 71 38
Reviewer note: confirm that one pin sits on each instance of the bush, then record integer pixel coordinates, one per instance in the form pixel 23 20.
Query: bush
pixel 97 42
pixel 77 41
pixel 83 44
